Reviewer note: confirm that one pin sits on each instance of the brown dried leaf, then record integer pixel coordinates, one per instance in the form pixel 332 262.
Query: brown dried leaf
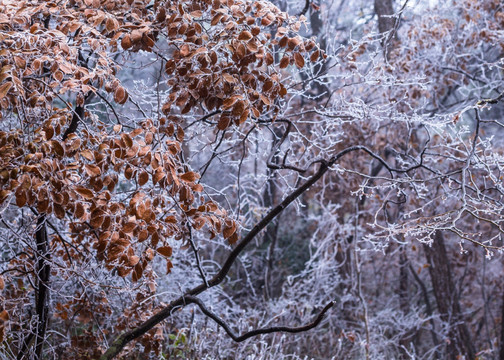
pixel 143 235
pixel 158 175
pixel 137 272
pixel 240 50
pixel 143 177
pixel 84 192
pixel 266 100
pixel 239 108
pixel 110 25
pixel 293 42
pixel 92 170
pixel 87 154
pixel 129 227
pixel 79 210
pixel 189 176
pixel 120 95
pixel 245 35
pixel 97 218
pixel 229 229
pixel 284 62
pixel 244 116
pixel 266 20
pixel 224 122
pixel 252 46
pixel 136 36
pixel 4 89
pixel 299 60
pixel 180 134
pixel 315 55
pixel 170 67
pixel 229 102
pixel 128 141
pixel 198 223
pixel 233 238
pixel 133 260
pixel 147 41
pixel 229 78
pixel 4 316
pixel 169 266
pixel 20 197
pixel 166 251
pixel 269 59
pixel 126 42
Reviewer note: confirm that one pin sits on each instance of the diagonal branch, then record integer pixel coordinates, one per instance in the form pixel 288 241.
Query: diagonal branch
pixel 123 339
pixel 305 9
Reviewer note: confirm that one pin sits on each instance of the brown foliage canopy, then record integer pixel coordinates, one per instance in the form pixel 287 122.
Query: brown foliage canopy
pixel 120 190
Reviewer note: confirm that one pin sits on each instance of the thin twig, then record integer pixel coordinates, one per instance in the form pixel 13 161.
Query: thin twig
pixel 196 254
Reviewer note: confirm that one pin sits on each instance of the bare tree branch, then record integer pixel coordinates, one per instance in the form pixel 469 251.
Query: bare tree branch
pixel 269 330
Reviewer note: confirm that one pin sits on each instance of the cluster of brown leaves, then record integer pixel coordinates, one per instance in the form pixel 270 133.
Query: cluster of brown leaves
pixel 56 55
pixel 224 60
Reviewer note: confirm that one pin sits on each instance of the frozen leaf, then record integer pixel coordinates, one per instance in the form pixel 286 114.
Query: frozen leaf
pixel 166 251
pixel 4 89
pixel 92 170
pixel 129 227
pixel 143 177
pixel 284 62
pixel 84 192
pixel 126 42
pixel 189 176
pixel 315 55
pixel 133 260
pixel 79 211
pixel 299 60
pixel 120 95
pixel 245 35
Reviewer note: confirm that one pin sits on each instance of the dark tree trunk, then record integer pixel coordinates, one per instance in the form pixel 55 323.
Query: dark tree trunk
pixel 447 299
pixel 317 26
pixel 404 300
pixel 43 272
pixel 501 352
pixel 384 9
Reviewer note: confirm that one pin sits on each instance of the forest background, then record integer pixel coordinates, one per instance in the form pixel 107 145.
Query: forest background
pixel 251 179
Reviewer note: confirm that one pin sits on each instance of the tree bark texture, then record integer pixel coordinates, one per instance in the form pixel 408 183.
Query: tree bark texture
pixel 459 342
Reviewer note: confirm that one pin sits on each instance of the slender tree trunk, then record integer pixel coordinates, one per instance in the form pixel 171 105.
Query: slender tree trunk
pixel 447 299
pixel 43 270
pixel 501 352
pixel 384 9
pixel 404 300
pixel 317 26
pixel 43 273
pixel 428 308
pixel 270 236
